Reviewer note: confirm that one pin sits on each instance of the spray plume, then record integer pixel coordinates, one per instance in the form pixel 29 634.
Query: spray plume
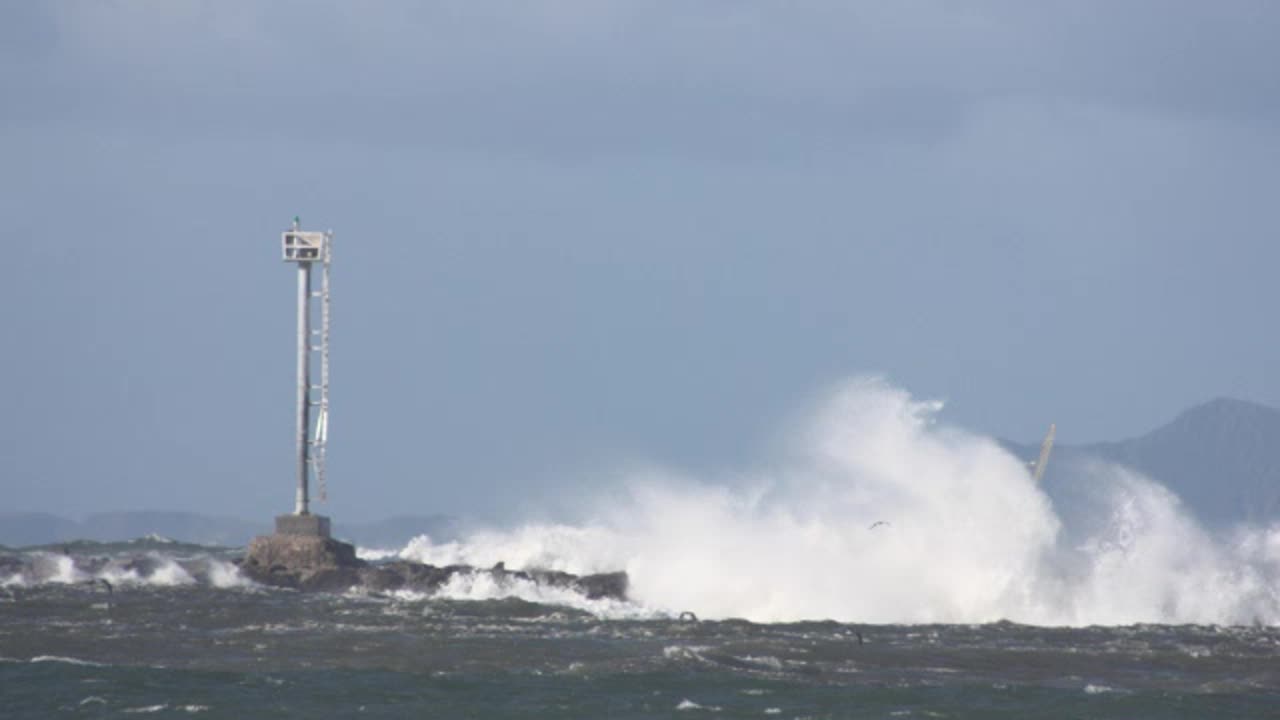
pixel 884 515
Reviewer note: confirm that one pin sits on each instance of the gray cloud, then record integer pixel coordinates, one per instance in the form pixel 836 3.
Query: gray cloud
pixel 574 232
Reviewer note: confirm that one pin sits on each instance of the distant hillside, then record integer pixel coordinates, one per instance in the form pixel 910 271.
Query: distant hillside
pixel 19 529
pixel 23 529
pixel 1220 458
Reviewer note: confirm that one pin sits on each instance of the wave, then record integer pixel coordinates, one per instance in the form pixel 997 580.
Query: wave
pixel 484 586
pixel 881 514
pixel 65 660
pixel 36 568
pixel 877 513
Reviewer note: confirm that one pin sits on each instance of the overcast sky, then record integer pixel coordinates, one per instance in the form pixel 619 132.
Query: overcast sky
pixel 577 235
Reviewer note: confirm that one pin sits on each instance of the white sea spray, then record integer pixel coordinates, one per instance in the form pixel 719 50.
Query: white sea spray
pixel 882 514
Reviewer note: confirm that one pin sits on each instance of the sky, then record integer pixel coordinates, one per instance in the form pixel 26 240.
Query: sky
pixel 576 236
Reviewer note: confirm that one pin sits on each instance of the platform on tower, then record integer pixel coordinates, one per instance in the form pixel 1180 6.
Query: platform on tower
pixel 305 525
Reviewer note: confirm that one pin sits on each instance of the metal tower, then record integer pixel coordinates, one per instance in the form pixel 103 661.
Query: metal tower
pixel 308 249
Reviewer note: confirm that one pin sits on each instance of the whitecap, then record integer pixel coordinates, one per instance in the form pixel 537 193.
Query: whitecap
pixel 685 652
pixel 67 660
pixel 165 572
pixel 482 585
pixel 224 575
pixel 376 554
pixel 766 661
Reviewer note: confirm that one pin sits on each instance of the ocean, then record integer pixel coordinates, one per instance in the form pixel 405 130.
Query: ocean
pixel 179 634
pixel 886 566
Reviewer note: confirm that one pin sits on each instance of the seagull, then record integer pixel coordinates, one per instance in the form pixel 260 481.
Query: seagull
pixel 877 524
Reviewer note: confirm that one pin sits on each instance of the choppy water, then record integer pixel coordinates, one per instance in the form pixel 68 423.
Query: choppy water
pixel 73 649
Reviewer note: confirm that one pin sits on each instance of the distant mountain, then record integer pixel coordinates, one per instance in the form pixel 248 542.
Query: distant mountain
pixel 24 529
pixel 21 529
pixel 1221 458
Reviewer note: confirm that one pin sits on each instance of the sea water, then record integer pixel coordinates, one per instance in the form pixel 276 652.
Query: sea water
pixel 884 565
pixel 247 652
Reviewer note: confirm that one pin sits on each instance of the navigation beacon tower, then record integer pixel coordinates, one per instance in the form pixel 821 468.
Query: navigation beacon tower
pixel 309 249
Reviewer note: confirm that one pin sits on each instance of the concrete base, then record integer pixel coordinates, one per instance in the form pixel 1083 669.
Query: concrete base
pixel 300 552
pixel 303 525
pixel 306 562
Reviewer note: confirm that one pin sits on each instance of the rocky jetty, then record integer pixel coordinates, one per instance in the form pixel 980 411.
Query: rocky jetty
pixel 407 575
pixel 322 564
pixel 302 563
pixel 300 555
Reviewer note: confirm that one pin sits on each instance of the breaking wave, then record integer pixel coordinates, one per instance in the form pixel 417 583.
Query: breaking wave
pixel 881 514
pixel 482 586
pixel 878 513
pixel 154 569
